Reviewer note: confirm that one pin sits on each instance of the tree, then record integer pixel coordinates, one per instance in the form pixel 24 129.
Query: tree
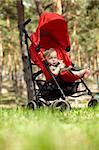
pixel 58 6
pixel 1 61
pixel 25 56
pixel 39 7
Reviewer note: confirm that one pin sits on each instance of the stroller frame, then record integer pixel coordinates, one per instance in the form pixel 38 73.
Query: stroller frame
pixel 33 104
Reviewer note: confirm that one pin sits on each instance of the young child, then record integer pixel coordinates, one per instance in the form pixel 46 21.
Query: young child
pixel 57 66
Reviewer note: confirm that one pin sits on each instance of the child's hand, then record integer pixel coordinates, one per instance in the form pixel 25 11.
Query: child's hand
pixel 70 67
pixel 61 65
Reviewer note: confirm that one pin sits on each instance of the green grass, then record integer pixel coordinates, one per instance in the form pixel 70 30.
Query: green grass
pixel 22 129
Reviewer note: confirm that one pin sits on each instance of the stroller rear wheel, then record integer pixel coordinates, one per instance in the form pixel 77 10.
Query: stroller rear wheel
pixel 93 102
pixel 61 105
pixel 32 105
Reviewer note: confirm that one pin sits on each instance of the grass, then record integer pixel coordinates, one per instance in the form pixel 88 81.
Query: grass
pixel 43 129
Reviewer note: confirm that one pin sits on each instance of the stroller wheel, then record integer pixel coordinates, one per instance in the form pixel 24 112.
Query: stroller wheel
pixel 40 104
pixel 32 105
pixel 61 105
pixel 93 102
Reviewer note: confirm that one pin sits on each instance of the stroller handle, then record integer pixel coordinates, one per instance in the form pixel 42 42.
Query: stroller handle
pixel 26 22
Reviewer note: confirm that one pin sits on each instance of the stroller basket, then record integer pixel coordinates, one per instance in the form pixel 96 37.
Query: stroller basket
pixel 49 91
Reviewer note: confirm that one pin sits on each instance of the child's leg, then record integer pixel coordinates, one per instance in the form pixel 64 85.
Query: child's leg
pixel 82 73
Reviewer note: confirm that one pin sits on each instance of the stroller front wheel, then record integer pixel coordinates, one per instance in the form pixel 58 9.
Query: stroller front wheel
pixel 41 104
pixel 61 105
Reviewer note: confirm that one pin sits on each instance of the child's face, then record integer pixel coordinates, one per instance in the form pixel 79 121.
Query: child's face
pixel 52 59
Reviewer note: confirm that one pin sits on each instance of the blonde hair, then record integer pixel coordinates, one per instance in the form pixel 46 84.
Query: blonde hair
pixel 48 52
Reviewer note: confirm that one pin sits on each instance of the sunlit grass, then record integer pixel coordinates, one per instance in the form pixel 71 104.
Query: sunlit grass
pixel 22 129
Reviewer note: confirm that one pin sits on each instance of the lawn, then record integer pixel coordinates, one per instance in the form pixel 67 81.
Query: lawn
pixel 44 129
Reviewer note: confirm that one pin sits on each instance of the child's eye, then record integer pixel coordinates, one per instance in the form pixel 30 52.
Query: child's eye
pixel 50 58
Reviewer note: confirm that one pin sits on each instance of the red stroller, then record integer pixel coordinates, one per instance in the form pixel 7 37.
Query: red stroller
pixel 52 32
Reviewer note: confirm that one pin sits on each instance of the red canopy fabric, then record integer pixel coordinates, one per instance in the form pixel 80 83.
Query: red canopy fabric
pixel 52 32
pixel 53 29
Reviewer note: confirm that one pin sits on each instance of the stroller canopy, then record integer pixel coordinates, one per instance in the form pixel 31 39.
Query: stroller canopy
pixel 52 32
pixel 53 29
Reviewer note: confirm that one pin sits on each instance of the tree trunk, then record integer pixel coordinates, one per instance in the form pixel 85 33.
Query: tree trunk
pixel 79 56
pixel 1 61
pixel 24 51
pixel 39 7
pixel 58 6
pixel 10 65
pixel 77 47
pixel 97 64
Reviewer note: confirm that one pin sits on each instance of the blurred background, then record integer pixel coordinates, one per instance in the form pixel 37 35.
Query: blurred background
pixel 83 26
